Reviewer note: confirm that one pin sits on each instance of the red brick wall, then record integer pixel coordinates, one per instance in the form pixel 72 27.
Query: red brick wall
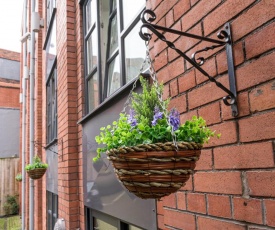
pixel 233 187
pixel 11 55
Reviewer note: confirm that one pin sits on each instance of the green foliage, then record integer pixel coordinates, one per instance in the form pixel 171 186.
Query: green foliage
pixel 18 177
pixel 11 206
pixel 124 133
pixel 36 164
pixel 144 103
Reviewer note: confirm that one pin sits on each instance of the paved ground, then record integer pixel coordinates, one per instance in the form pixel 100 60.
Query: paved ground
pixel 10 223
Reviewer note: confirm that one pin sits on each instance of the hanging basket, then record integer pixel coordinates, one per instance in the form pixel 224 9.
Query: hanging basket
pixel 155 170
pixel 36 173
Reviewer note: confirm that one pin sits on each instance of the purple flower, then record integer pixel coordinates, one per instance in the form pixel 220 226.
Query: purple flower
pixel 174 119
pixel 131 118
pixel 157 115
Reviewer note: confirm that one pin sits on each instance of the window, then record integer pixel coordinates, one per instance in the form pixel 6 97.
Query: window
pixel 51 5
pixel 97 221
pixel 52 210
pixel 52 106
pixel 114 52
pixel 51 84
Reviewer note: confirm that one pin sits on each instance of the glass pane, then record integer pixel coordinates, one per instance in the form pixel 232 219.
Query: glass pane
pixel 51 50
pixel 131 9
pixel 114 5
pixel 131 227
pixel 113 36
pixel 99 224
pixel 90 14
pixel 113 76
pixel 135 51
pixel 93 92
pixel 92 52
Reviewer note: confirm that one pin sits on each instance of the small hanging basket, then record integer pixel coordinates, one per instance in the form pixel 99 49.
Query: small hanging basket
pixel 36 173
pixel 155 170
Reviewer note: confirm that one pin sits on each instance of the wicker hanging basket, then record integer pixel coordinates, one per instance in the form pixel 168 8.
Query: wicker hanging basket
pixel 155 170
pixel 36 173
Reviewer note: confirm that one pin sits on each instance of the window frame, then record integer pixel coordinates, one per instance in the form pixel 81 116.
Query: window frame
pixel 52 211
pixel 120 52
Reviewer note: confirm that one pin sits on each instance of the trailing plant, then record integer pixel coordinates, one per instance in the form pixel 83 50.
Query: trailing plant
pixel 18 177
pixel 149 121
pixel 37 163
pixel 11 206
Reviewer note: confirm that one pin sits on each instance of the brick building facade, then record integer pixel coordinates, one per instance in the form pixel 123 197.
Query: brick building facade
pixel 77 91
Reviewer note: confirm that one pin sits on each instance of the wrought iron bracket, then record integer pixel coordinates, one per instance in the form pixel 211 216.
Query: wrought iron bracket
pixel 148 16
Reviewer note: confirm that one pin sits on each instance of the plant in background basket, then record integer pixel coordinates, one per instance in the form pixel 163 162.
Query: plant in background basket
pixel 152 153
pixel 37 169
pixel 18 177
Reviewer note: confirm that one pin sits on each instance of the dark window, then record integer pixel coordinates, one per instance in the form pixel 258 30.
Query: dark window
pixel 52 106
pixel 51 83
pixel 52 210
pixel 114 52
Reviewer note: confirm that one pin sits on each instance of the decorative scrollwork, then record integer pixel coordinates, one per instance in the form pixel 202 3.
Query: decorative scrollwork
pixel 149 16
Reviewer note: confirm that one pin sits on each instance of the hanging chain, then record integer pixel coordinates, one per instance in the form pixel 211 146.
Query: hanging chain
pixel 156 84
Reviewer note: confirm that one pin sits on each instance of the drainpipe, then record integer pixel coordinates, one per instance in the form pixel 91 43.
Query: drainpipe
pixel 24 83
pixel 32 76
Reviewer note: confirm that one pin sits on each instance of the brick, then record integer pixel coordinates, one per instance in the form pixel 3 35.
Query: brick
pixel 211 113
pixel 214 224
pixel 249 210
pixel 169 19
pixel 159 47
pixel 179 103
pixel 161 60
pixel 256 72
pixel 166 92
pixel 261 183
pixel 181 200
pixel 257 127
pixel 270 210
pixel 180 9
pixel 188 116
pixel 223 14
pixel 262 97
pixel 152 4
pixel 260 42
pixel 160 209
pixel 205 161
pixel 187 81
pixel 179 220
pixel 238 56
pixel 210 67
pixel 10 55
pixel 196 202
pixel 173 70
pixel 10 96
pixel 243 107
pixel 258 155
pixel 170 201
pixel 172 37
pixel 188 185
pixel 174 89
pixel 219 206
pixel 185 43
pixel 218 182
pixel 160 220
pixel 206 93
pixel 164 7
pixel 247 22
pixel 197 12
pixel 228 131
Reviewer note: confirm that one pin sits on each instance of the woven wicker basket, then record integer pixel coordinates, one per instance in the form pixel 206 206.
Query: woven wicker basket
pixel 36 173
pixel 155 170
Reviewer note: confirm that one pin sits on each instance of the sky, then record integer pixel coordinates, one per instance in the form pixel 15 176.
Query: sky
pixel 10 24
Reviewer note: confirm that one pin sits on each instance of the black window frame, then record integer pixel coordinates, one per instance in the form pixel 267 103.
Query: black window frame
pixel 119 52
